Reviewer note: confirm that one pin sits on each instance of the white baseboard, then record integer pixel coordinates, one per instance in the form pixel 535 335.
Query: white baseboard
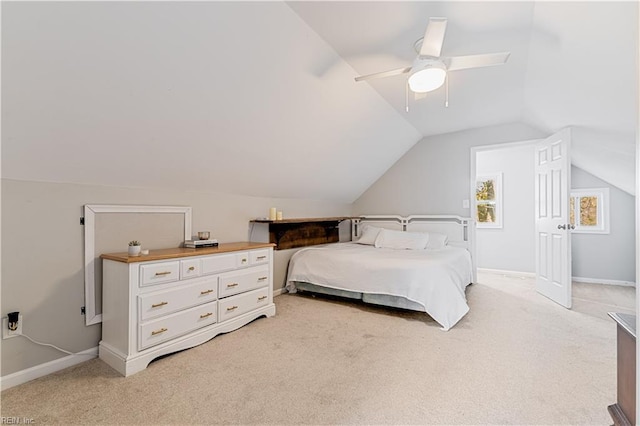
pixel 506 272
pixel 32 373
pixel 576 279
pixel 279 291
pixel 603 281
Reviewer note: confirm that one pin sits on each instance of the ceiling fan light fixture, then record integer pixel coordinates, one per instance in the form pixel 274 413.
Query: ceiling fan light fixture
pixel 429 78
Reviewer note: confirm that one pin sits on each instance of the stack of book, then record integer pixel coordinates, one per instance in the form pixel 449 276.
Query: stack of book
pixel 201 243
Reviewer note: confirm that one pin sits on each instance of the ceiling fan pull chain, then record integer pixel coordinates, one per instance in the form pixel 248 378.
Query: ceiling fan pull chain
pixel 406 96
pixel 446 91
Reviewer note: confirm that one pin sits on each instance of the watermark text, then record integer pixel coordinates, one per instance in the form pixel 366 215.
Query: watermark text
pixel 6 420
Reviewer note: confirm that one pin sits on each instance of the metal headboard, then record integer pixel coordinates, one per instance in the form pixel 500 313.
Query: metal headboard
pixel 461 230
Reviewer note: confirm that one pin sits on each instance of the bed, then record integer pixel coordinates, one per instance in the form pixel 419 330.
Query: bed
pixel 420 262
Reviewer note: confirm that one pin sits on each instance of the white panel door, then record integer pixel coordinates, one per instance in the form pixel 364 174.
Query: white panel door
pixel 553 231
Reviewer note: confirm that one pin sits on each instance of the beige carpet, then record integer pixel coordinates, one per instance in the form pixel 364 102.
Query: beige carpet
pixel 516 358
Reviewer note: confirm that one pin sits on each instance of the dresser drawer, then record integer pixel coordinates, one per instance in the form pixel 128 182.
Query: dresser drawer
pixel 224 262
pixel 259 256
pixel 158 273
pixel 160 330
pixel 189 268
pixel 242 303
pixel 164 302
pixel 240 281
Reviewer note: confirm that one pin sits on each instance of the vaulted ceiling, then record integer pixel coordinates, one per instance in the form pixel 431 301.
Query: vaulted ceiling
pixel 259 98
pixel 572 64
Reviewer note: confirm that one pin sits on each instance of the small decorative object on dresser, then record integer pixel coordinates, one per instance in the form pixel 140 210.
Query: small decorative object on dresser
pixel 203 235
pixel 134 248
pixel 174 299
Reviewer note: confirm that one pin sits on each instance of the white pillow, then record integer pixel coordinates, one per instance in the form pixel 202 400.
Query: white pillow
pixel 402 240
pixel 437 241
pixel 369 235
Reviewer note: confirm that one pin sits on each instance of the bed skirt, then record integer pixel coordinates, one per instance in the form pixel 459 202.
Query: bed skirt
pixel 375 299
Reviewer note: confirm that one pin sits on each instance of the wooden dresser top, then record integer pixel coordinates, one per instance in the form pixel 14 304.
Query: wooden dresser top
pixel 171 253
pixel 626 321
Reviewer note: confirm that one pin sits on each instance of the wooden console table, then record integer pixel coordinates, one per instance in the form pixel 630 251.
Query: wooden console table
pixel 293 233
pixel 623 412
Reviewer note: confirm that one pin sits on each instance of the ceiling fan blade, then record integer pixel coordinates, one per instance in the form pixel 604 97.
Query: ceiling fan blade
pixel 476 61
pixel 433 37
pixel 384 74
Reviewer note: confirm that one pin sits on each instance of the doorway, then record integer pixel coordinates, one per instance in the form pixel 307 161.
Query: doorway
pixel 510 247
pixel 506 241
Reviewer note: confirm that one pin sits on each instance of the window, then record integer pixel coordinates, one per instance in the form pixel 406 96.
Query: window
pixel 489 200
pixel 589 210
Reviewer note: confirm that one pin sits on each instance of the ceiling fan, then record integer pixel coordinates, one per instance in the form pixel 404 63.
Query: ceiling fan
pixel 429 70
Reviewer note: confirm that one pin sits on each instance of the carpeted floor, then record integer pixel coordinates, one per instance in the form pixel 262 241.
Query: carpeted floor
pixel 516 358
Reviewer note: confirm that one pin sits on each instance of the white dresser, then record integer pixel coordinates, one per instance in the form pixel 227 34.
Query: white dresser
pixel 175 299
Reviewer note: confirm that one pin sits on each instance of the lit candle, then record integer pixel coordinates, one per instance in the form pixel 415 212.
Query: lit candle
pixel 272 213
pixel 279 216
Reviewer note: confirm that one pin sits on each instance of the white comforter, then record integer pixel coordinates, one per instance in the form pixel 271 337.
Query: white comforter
pixel 435 279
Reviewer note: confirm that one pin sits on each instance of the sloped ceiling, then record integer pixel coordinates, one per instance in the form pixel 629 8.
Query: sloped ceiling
pixel 208 96
pixel 588 79
pixel 379 36
pixel 572 64
pixel 259 98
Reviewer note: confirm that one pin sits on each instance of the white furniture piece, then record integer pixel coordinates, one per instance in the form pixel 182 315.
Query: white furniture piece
pixel 175 299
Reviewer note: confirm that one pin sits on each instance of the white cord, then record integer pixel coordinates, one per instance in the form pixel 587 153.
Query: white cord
pixel 53 346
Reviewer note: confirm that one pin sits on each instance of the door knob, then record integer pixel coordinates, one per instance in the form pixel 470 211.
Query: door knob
pixel 562 226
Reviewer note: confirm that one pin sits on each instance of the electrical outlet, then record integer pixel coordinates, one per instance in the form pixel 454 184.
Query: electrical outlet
pixel 6 333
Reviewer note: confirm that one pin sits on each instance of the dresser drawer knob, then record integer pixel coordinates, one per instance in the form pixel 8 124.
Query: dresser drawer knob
pixel 207 315
pixel 262 298
pixel 244 260
pixel 162 330
pixel 206 292
pixel 192 268
pixel 232 285
pixel 262 278
pixel 261 257
pixel 157 305
pixel 231 308
pixel 159 274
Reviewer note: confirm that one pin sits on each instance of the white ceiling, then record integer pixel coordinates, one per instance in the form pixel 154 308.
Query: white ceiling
pixel 379 36
pixel 259 98
pixel 571 64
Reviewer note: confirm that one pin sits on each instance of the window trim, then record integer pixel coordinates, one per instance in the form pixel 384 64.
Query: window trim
pixel 497 178
pixel 603 210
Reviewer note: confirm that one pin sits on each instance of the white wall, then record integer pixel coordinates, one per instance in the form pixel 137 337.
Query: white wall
pixel 511 247
pixel 606 256
pixel 433 177
pixel 609 257
pixel 42 253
